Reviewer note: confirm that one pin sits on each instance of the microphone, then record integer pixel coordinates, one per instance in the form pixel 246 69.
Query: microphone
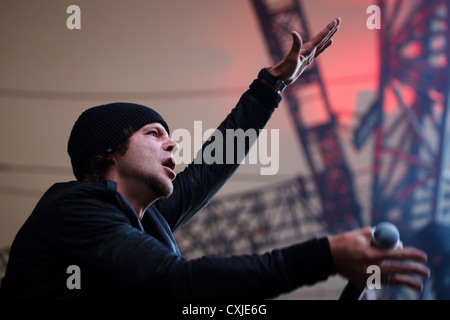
pixel 385 236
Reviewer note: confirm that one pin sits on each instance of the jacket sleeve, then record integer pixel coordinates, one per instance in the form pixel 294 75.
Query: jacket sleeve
pixel 123 261
pixel 199 182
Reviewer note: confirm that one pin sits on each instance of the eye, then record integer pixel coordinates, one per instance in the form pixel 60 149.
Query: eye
pixel 153 133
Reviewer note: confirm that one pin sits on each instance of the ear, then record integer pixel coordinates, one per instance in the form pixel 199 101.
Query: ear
pixel 111 158
pixel 107 169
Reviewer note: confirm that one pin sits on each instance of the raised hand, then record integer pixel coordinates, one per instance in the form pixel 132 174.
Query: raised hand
pixel 302 55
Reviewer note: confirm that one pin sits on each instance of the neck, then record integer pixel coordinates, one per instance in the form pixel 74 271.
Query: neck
pixel 140 201
pixel 138 195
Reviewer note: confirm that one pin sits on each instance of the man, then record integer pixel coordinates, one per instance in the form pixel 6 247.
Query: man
pixel 115 223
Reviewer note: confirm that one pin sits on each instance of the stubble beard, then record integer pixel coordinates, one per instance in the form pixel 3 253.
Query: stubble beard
pixel 161 187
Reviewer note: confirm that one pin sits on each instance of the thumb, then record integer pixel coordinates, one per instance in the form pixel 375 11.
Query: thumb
pixel 296 45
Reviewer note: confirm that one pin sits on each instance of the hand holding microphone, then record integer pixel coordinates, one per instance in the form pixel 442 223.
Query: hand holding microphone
pixel 384 236
pixel 354 251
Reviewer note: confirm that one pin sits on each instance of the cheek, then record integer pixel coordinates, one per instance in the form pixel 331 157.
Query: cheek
pixel 141 152
pixel 140 156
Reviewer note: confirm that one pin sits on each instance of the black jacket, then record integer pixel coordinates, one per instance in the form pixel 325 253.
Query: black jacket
pixel 92 226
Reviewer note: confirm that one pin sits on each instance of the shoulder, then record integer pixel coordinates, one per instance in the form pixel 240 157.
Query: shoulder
pixel 81 191
pixel 86 199
pixel 70 188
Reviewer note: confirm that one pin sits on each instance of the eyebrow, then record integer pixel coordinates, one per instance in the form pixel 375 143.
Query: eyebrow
pixel 155 125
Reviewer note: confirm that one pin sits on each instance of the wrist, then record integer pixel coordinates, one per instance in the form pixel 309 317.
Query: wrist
pixel 275 72
pixel 269 78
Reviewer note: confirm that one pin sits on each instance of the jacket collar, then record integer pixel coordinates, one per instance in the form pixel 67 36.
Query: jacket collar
pixel 125 206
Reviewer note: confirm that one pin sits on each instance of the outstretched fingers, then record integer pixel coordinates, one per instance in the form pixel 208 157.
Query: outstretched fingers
pixel 323 48
pixel 326 34
pixel 302 54
pixel 322 40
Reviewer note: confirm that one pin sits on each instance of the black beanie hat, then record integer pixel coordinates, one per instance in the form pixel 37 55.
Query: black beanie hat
pixel 99 130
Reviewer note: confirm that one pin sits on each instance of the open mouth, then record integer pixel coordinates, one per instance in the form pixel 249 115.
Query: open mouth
pixel 170 164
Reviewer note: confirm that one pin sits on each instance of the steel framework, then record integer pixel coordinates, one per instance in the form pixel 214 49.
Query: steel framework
pixel 409 119
pixel 410 159
pixel 255 221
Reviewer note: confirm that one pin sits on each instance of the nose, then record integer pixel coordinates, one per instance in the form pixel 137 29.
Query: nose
pixel 171 145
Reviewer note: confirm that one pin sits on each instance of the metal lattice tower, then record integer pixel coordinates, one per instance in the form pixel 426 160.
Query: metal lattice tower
pixel 410 127
pixel 409 118
pixel 255 221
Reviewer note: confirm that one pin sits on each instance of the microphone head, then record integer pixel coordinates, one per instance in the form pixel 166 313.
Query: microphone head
pixel 385 235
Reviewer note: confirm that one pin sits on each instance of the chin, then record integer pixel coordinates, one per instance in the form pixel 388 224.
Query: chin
pixel 161 187
pixel 168 192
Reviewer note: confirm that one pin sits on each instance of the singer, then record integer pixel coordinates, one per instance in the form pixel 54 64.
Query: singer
pixel 116 221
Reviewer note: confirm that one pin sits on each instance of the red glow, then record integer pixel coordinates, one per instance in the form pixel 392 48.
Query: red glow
pixel 413 50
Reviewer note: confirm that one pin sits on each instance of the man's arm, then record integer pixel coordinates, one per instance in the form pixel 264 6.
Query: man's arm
pixel 118 260
pixel 198 183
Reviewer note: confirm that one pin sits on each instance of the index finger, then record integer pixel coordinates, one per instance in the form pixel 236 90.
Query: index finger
pixel 325 35
pixel 322 38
